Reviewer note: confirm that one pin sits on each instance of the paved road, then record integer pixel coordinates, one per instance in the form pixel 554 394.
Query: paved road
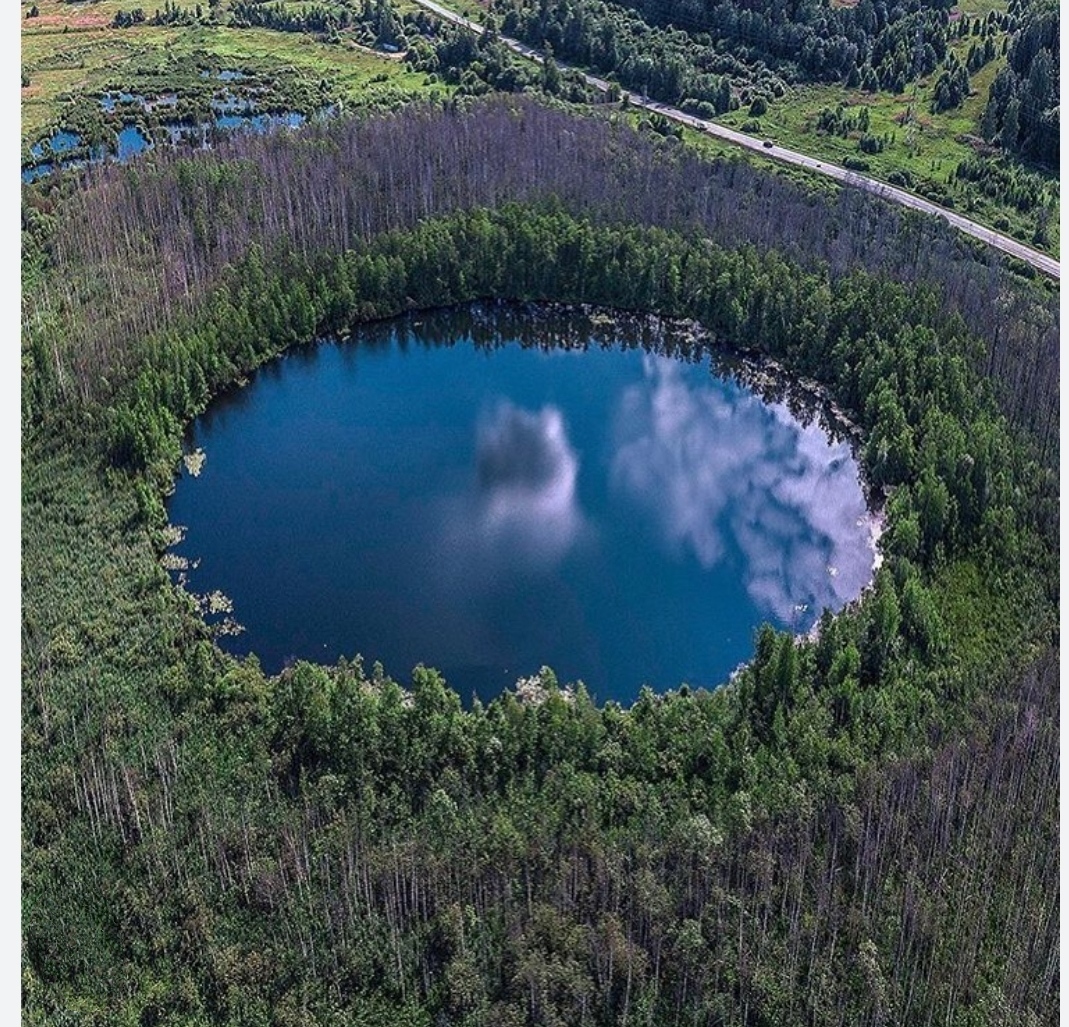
pixel 1040 261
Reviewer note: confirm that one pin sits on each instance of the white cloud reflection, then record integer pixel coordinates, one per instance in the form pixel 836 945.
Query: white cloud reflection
pixel 522 511
pixel 502 534
pixel 720 471
pixel 526 471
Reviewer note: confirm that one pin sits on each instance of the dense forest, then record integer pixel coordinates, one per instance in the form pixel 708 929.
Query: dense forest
pixel 860 829
pixel 1022 112
pixel 681 49
pixel 677 50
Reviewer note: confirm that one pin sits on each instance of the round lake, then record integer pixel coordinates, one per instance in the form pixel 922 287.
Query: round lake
pixel 440 490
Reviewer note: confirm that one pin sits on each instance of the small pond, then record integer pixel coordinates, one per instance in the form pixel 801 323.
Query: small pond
pixel 130 142
pixel 60 143
pixel 618 514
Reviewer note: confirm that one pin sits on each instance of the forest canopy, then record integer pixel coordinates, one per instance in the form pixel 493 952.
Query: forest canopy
pixel 862 827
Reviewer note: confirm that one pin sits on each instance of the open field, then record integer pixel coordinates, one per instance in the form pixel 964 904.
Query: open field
pixel 68 51
pixel 925 146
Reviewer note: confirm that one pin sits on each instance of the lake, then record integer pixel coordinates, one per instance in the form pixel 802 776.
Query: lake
pixel 458 489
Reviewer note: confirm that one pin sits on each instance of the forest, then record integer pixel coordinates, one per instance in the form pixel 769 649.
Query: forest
pixel 756 58
pixel 680 51
pixel 943 87
pixel 861 828
pixel 1022 111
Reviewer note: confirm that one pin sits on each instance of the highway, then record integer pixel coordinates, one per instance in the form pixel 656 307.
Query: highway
pixel 1040 261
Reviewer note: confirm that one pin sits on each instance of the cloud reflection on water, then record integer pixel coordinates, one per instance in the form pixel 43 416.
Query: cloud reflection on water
pixel 722 472
pixel 526 474
pixel 503 537
pixel 523 512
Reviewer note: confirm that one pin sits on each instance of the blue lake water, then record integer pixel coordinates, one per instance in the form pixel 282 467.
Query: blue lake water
pixel 621 516
pixel 36 172
pixel 61 142
pixel 64 142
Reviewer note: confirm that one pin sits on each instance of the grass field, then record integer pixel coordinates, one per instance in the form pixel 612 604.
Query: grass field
pixel 924 143
pixel 926 146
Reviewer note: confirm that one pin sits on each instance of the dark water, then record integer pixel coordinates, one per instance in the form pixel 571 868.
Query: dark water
pixel 621 516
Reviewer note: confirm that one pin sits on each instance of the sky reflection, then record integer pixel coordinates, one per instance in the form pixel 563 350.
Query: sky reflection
pixel 519 515
pixel 723 476
pixel 502 540
pixel 526 472
pixel 621 518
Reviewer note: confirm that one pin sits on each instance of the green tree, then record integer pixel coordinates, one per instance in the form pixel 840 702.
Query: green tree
pixel 551 77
